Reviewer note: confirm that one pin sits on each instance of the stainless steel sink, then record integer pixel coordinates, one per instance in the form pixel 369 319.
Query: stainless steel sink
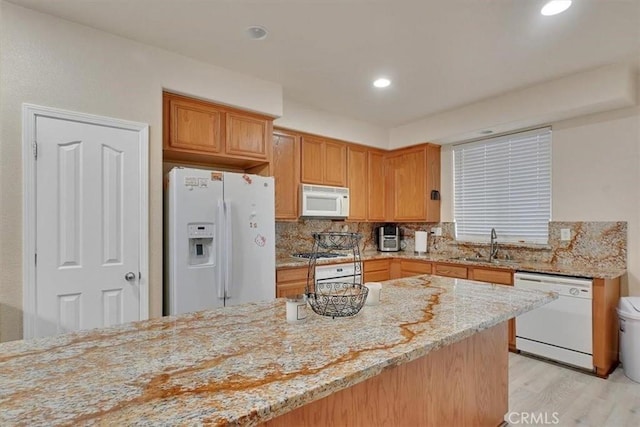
pixel 504 262
pixel 471 259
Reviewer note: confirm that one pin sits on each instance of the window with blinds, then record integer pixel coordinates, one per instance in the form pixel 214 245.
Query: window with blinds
pixel 504 183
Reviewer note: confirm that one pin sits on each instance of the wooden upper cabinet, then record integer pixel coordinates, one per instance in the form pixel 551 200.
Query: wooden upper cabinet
pixel 247 136
pixel 286 173
pixel 324 162
pixel 358 183
pixel 335 164
pixel 194 126
pixel 376 186
pixel 200 132
pixel 312 165
pixel 410 186
pixel 366 183
pixel 407 173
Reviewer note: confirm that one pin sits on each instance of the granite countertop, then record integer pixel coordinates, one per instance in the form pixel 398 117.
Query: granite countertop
pixel 578 270
pixel 242 364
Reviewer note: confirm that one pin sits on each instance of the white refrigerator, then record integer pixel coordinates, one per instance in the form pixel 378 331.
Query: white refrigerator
pixel 220 240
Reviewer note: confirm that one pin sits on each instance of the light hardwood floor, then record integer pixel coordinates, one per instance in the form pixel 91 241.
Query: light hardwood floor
pixel 541 388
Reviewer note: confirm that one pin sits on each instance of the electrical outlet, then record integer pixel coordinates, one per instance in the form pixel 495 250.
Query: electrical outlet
pixel 565 234
pixel 436 231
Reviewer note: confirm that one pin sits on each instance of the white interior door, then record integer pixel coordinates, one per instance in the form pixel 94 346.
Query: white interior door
pixel 88 219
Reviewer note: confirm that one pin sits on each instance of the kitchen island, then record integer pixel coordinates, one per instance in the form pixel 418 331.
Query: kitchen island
pixel 431 340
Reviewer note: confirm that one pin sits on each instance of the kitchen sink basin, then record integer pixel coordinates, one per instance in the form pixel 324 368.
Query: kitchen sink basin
pixel 504 262
pixel 471 259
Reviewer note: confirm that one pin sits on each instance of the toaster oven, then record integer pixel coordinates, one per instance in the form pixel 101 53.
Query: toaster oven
pixel 388 238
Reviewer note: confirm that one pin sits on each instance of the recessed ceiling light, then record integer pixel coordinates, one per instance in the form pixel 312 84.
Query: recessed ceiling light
pixel 381 82
pixel 257 32
pixel 555 6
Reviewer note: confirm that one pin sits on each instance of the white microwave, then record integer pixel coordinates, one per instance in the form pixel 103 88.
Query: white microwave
pixel 323 201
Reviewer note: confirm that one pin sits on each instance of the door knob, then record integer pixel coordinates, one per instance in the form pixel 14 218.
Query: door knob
pixel 130 276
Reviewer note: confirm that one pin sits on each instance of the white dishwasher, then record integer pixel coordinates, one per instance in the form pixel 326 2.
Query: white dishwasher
pixel 562 329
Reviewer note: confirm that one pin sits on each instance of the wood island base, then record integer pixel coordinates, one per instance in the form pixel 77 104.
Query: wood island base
pixel 462 384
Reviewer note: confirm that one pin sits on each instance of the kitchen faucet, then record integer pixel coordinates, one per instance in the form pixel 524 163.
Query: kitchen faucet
pixel 494 245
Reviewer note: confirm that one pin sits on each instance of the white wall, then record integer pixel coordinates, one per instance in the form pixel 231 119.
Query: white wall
pixel 596 175
pixel 588 92
pixel 306 119
pixel 51 62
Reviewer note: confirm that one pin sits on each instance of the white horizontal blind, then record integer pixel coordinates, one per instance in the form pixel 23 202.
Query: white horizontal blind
pixel 504 183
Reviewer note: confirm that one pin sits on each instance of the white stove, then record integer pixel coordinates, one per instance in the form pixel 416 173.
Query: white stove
pixel 348 272
pixel 344 272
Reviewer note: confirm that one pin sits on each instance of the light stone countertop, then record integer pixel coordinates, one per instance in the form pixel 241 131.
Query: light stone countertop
pixel 566 269
pixel 243 364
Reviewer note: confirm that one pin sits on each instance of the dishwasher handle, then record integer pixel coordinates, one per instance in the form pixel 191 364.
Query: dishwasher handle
pixel 525 279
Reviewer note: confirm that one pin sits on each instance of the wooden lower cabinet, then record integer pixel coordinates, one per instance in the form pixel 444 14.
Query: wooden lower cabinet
pixel 408 267
pixel 491 275
pixel 412 267
pixel 450 270
pixel 606 293
pixel 376 270
pixel 290 281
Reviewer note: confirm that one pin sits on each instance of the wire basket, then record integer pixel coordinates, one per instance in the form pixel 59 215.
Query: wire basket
pixel 337 241
pixel 337 299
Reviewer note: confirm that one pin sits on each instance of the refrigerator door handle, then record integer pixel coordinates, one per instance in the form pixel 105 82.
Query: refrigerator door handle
pixel 220 256
pixel 229 250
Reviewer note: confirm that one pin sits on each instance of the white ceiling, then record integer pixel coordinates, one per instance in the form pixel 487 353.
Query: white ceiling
pixel 439 54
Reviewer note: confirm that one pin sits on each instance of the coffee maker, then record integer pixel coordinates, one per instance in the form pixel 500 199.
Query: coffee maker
pixel 388 238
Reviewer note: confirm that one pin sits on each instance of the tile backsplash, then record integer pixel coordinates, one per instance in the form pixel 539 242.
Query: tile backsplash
pixel 590 243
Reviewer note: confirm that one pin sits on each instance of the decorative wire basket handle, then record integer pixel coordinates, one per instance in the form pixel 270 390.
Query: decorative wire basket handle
pixel 337 241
